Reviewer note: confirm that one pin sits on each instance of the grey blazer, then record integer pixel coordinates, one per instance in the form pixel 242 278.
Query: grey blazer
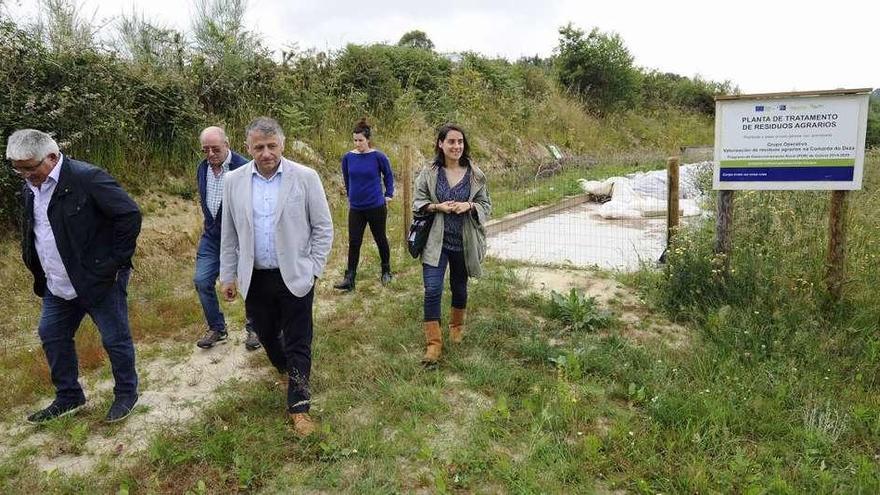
pixel 303 228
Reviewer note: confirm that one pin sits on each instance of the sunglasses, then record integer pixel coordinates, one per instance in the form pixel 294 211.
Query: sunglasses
pixel 24 171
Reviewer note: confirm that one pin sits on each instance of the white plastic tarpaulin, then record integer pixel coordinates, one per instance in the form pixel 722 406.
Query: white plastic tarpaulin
pixel 643 194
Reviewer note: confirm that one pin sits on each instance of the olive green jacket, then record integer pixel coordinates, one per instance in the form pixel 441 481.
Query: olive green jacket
pixel 473 229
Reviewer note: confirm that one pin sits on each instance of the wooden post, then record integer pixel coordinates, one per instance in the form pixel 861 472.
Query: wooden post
pixel 724 226
pixel 671 199
pixel 836 259
pixel 407 180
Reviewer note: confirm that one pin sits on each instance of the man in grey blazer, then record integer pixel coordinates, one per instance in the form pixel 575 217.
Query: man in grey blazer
pixel 275 238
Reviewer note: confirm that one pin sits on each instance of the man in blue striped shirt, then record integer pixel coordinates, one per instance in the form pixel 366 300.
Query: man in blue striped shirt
pixel 219 160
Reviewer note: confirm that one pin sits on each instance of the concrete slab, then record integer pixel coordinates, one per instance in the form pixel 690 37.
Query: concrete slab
pixel 578 236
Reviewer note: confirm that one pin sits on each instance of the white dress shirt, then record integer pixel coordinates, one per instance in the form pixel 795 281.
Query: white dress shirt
pixel 57 279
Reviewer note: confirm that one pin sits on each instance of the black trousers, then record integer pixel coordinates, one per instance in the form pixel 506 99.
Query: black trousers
pixel 357 222
pixel 283 322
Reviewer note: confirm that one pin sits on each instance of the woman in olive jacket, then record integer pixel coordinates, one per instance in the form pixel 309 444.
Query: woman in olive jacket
pixel 454 190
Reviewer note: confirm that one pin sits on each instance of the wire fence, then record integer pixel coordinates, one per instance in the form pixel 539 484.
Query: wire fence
pixel 573 211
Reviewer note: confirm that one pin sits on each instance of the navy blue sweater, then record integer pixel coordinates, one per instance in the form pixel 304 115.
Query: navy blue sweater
pixel 364 174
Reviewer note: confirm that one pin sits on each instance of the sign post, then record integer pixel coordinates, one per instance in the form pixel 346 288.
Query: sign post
pixel 792 141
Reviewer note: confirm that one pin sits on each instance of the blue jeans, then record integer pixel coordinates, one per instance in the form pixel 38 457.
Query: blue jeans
pixel 433 279
pixel 205 280
pixel 58 324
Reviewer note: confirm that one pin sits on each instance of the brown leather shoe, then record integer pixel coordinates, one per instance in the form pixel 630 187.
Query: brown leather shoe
pixel 456 325
pixel 303 424
pixel 435 342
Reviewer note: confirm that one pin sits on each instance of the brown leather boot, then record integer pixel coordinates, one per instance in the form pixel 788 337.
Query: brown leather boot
pixel 303 424
pixel 456 325
pixel 435 342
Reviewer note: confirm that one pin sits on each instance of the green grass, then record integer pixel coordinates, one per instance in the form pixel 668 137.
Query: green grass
pixel 509 412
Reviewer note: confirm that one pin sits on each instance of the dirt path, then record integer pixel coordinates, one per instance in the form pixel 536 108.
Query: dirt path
pixel 173 391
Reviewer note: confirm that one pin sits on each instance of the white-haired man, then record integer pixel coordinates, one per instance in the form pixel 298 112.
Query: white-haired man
pixel 210 174
pixel 78 237
pixel 276 236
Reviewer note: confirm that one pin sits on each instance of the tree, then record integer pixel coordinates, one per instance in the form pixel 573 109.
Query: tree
pixel 218 29
pixel 148 44
pixel 416 39
pixel 64 26
pixel 598 67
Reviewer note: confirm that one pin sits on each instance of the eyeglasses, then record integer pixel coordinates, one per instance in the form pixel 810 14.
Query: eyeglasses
pixel 25 171
pixel 212 149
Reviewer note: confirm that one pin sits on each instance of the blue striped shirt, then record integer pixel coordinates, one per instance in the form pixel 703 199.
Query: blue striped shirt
pixel 265 201
pixel 214 185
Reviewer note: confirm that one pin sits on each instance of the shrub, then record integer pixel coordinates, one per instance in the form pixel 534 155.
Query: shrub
pixel 599 67
pixel 367 70
pixel 661 89
pixel 578 312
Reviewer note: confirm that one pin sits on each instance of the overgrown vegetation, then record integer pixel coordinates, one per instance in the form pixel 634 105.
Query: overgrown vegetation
pixel 134 102
pixel 779 361
pixel 599 67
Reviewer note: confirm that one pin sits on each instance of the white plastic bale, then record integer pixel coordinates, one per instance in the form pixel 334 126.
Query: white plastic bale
pixel 643 194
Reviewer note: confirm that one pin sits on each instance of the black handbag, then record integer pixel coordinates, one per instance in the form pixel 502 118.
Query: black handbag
pixel 418 233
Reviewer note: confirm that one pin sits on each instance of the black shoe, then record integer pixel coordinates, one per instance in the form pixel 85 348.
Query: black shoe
pixel 252 342
pixel 386 277
pixel 55 410
pixel 210 338
pixel 120 409
pixel 347 283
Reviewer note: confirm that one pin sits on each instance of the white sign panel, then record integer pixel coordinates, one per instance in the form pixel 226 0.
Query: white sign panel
pixel 814 142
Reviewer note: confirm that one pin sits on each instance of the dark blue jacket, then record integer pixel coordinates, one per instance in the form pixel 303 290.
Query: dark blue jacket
pixel 95 224
pixel 212 225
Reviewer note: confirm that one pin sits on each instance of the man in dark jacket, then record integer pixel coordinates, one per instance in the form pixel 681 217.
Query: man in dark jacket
pixel 219 160
pixel 79 230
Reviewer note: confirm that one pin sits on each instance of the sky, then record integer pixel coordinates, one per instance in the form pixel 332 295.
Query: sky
pixel 760 46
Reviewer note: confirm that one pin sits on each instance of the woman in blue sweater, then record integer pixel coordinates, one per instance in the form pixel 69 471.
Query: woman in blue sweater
pixel 365 171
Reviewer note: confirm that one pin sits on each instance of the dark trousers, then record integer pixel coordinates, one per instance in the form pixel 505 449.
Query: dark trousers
pixel 59 321
pixel 433 279
pixel 283 323
pixel 357 222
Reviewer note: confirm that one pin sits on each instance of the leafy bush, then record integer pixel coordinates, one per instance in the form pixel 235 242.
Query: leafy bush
pixel 599 67
pixel 580 313
pixel 661 89
pixel 367 70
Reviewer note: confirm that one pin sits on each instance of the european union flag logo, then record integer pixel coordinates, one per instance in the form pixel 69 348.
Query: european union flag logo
pixel 782 107
pixel 759 108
